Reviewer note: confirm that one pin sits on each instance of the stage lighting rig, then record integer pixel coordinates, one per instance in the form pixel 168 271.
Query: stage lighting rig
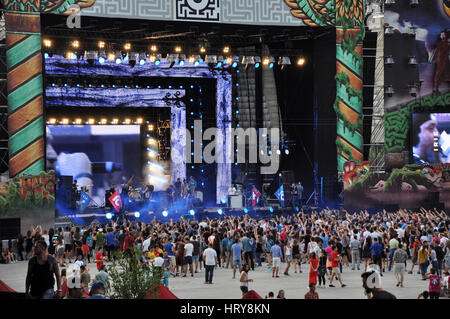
pixel 181 59
pixel 389 90
pixel 142 58
pixel 118 58
pixel 153 48
pixel 101 45
pixel 127 46
pixel 256 61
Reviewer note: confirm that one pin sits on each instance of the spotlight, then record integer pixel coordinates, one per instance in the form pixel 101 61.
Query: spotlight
pixel 137 214
pixel 75 44
pixel 286 151
pixel 158 59
pixel 47 43
pixel 115 121
pixel 91 121
pixel 52 121
pixel 389 90
pixel 151 127
pixel 226 50
pixel 101 60
pixel 78 121
pixel 118 58
pixel 235 62
pixel 101 44
pixel 65 121
pixel 140 121
pixel 127 46
pixel 153 48
pixel 202 49
pixel 256 60
pixel 71 56
pixel 127 121
pixel 229 60
pixel 108 215
pixel 111 56
pixel 246 210
pixel 192 59
pixel 90 57
pixel 46 55
pixel 192 212
pixel 165 213
pixel 142 59
pixel 220 211
pixel 271 209
pixel 389 60
pixel 103 121
pixel 181 59
pixel 296 208
pixel 414 3
pixel 413 90
pixel 219 61
pixel 224 201
pixel 301 61
pixel 178 49
pixel 266 61
pixel 412 61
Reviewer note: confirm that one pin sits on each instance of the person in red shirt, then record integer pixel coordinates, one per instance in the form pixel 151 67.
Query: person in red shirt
pixel 314 270
pixel 415 245
pixel 99 258
pixel 335 258
pixel 128 243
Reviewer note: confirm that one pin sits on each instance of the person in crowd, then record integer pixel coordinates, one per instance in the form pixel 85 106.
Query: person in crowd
pixel 244 280
pixel 42 271
pixel 210 258
pixel 276 258
pixel 103 276
pixel 237 256
pixel 399 258
pixel 98 290
pixel 372 288
pixel 312 293
pixel 281 294
pixel 434 288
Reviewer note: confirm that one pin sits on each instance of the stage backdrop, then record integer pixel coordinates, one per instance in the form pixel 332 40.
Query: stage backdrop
pixel 26 129
pixel 430 21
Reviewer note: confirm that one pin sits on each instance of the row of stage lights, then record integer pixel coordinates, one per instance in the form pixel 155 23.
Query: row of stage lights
pixel 103 121
pixel 133 58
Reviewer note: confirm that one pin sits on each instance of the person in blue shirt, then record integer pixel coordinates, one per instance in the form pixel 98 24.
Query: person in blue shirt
pixel 277 254
pixel 230 252
pixel 110 242
pixel 225 254
pixel 192 185
pixel 169 248
pixel 376 250
pixel 324 240
pixel 237 256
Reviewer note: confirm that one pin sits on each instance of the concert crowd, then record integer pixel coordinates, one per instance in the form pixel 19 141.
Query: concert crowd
pixel 323 245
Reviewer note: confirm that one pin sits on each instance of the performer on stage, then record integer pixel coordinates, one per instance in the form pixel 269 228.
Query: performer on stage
pixel 297 199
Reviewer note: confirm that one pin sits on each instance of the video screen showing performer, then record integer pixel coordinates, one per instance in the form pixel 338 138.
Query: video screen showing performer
pixel 98 157
pixel 431 138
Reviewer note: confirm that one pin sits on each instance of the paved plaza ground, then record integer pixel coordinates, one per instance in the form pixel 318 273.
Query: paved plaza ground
pixel 224 287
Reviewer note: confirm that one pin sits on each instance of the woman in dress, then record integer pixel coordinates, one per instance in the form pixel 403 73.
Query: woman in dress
pixel 314 268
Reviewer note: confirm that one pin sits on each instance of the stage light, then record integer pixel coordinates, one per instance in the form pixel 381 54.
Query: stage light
pixel 235 62
pixel 192 212
pixel 165 213
pixel 266 61
pixel 71 56
pixel 220 211
pixel 101 60
pixel 151 127
pixel 118 58
pixel 103 121
pixel 202 49
pixel 108 215
pixel 111 56
pixel 137 214
pixel 245 210
pixel 47 43
pixel 127 121
pixel 181 59
pixel 412 61
pixel 158 60
pixel 78 121
pixel 75 44
pixel 286 151
pixel 229 60
pixel 413 90
pixel 153 48
pixel 178 49
pixel 256 60
pixel 278 152
pixel 115 121
pixel 301 61
pixel 91 121
pixel 127 46
pixel 65 121
pixel 52 121
pixel 389 60
pixel 139 121
pixel 101 44
pixel 142 59
pixel 271 209
pixel 192 59
pixel 46 55
pixel 226 49
pixel 296 208
pixel 389 90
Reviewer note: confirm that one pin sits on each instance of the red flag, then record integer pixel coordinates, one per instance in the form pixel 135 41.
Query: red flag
pixel 116 201
pixel 255 195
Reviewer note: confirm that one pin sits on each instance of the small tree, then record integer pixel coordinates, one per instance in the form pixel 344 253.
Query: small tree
pixel 131 278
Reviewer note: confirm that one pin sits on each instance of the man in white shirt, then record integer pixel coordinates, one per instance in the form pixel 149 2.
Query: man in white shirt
pixel 188 250
pixel 210 257
pixel 146 244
